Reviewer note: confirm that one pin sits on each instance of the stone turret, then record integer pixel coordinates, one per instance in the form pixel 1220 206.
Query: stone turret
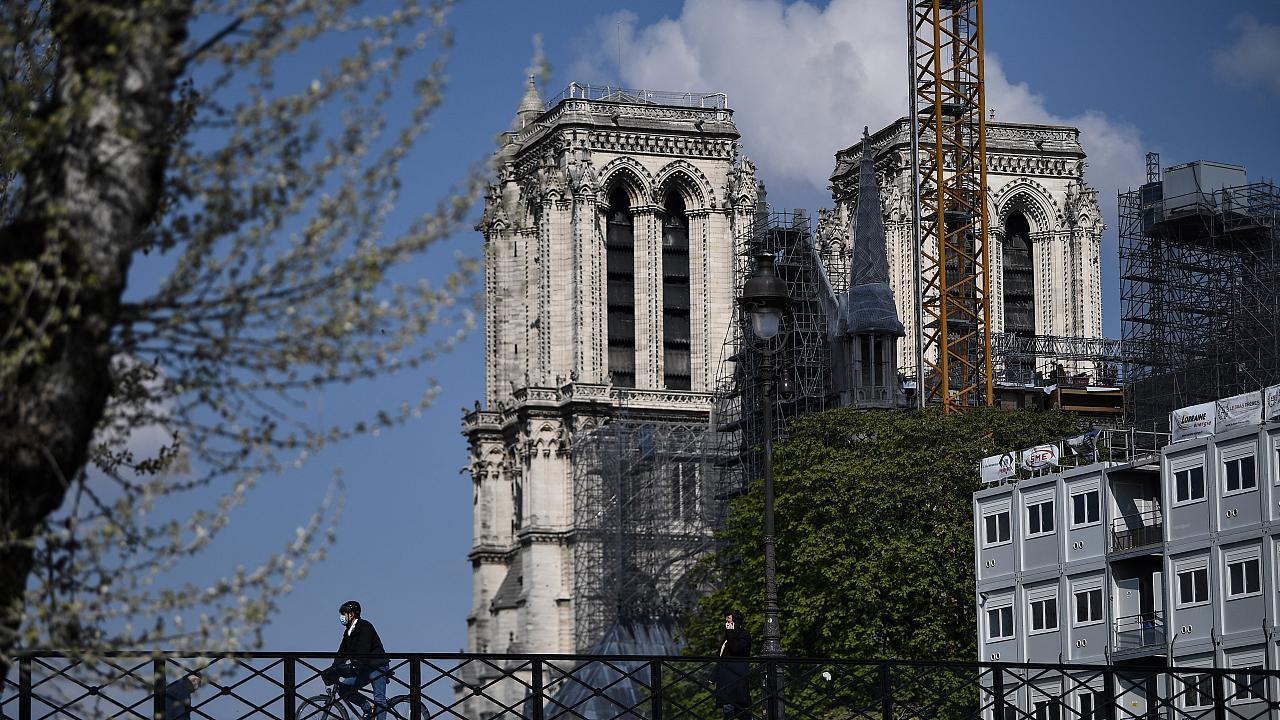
pixel 1044 230
pixel 531 105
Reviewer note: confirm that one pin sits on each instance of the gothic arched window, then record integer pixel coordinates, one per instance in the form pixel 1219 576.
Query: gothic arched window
pixel 517 505
pixel 620 289
pixel 677 372
pixel 1018 276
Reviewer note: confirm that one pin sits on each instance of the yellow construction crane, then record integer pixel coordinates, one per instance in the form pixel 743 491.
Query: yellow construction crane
pixel 949 194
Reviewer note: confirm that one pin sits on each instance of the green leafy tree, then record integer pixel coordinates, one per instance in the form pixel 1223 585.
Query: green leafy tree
pixel 875 533
pixel 252 150
pixel 874 557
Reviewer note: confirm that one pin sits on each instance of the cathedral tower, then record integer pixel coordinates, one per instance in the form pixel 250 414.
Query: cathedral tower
pixel 608 236
pixel 1046 228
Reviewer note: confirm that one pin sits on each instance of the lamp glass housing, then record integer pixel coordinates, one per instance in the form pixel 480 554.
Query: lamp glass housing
pixel 766 322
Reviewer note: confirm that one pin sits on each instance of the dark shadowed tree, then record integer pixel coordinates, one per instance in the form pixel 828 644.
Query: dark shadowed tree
pixel 251 149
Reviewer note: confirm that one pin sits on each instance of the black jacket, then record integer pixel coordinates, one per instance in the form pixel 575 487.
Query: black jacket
pixel 177 699
pixel 361 640
pixel 732 673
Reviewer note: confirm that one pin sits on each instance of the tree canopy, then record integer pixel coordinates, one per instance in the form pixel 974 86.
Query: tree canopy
pixel 874 533
pixel 252 150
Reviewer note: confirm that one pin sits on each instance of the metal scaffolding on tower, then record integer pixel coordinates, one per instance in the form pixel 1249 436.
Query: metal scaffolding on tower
pixel 1199 287
pixel 949 201
pixel 644 507
pixel 802 352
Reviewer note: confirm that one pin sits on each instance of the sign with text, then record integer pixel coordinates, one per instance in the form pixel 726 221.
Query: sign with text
pixel 1194 421
pixel 1040 457
pixel 1271 403
pixel 1243 409
pixel 999 468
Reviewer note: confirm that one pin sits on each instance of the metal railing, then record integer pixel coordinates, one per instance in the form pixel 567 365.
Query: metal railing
pixel 1248 205
pixel 567 687
pixel 1110 445
pixel 1118 445
pixel 1131 445
pixel 1143 631
pixel 1137 530
pixel 614 93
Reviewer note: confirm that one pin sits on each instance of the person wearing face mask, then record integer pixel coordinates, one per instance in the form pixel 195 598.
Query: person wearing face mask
pixel 352 671
pixel 732 684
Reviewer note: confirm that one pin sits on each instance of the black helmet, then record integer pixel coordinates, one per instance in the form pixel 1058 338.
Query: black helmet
pixel 350 606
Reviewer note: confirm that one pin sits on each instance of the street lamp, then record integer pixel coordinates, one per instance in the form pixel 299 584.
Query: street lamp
pixel 765 299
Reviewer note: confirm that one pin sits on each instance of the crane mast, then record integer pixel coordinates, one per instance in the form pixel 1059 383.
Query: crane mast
pixel 949 204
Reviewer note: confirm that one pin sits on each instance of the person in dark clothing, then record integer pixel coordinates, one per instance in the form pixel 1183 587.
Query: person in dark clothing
pixel 733 689
pixel 353 672
pixel 177 696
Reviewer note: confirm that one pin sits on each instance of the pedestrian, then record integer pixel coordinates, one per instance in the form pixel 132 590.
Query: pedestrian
pixel 733 688
pixel 177 696
pixel 352 668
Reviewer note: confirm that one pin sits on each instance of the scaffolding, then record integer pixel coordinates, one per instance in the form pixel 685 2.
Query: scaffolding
pixel 1035 360
pixel 644 507
pixel 801 352
pixel 649 492
pixel 835 253
pixel 1199 293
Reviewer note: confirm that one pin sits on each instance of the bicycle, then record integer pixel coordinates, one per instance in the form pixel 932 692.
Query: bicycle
pixel 332 706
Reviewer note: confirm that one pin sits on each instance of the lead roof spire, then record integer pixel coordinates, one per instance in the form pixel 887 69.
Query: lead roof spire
pixel 870 306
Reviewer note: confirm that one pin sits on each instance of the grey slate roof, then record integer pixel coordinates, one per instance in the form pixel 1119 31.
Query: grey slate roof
pixel 508 594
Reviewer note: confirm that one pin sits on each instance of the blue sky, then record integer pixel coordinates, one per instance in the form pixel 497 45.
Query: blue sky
pixel 1190 80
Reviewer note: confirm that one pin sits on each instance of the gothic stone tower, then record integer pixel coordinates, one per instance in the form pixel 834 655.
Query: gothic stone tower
pixel 608 236
pixel 1044 218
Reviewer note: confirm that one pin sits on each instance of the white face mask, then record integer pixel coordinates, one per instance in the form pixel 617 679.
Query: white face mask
pixel 342 620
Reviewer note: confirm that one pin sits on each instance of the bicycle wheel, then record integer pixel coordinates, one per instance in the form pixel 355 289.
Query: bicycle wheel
pixel 321 707
pixel 401 706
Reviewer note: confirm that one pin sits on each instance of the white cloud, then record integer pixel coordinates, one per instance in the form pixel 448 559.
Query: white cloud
pixel 135 419
pixel 1116 156
pixel 1254 58
pixel 803 80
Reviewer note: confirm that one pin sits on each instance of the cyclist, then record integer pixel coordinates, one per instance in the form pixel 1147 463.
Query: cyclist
pixel 352 672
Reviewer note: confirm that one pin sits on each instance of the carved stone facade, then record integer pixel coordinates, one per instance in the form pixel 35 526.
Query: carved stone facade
pixel 1044 220
pixel 608 236
pixel 609 278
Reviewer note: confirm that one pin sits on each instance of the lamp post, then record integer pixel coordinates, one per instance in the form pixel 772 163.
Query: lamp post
pixel 764 299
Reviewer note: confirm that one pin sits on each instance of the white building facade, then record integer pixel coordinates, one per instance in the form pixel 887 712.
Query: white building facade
pixel 1044 220
pixel 1170 560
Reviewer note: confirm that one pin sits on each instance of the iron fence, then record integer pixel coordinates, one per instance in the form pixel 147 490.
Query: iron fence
pixel 566 687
